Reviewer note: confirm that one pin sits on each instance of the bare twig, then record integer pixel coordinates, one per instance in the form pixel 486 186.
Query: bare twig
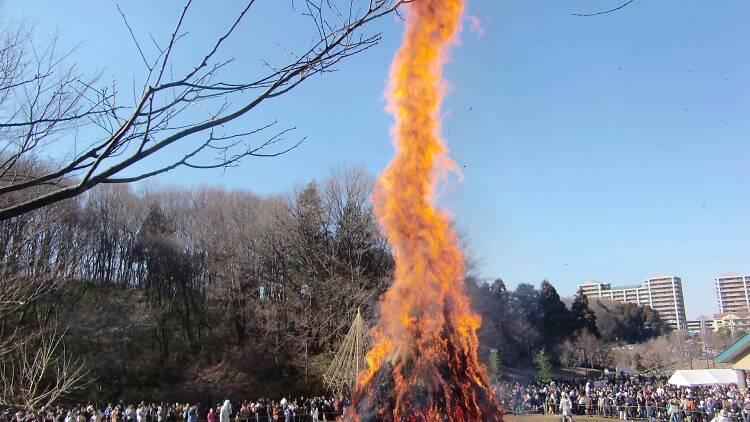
pixel 158 118
pixel 605 11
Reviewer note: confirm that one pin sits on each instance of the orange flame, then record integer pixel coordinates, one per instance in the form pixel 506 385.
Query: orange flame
pixel 423 365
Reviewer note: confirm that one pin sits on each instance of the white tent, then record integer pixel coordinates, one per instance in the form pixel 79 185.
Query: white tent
pixel 688 378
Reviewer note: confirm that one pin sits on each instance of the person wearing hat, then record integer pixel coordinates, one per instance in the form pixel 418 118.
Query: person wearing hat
pixel 226 411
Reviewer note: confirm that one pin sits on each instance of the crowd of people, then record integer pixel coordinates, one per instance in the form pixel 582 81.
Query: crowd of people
pixel 628 398
pixel 313 409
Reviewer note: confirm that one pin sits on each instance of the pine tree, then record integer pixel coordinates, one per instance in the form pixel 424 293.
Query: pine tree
pixel 582 317
pixel 555 317
pixel 544 367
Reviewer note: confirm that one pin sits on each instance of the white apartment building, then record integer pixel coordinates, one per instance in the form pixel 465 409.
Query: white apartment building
pixel 663 293
pixel 732 293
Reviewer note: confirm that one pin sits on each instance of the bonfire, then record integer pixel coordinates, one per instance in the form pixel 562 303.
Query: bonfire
pixel 423 365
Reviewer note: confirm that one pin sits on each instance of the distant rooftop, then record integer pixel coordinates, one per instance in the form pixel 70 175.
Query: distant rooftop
pixel 627 287
pixel 591 283
pixel 730 275
pixel 732 315
pixel 661 276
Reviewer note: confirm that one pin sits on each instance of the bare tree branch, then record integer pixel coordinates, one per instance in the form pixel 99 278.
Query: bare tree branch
pixel 159 118
pixel 605 11
pixel 38 372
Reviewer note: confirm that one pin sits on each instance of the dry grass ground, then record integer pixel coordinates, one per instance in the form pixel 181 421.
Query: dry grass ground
pixel 551 418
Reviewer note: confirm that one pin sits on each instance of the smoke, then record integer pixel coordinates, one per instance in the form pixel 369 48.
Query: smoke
pixel 475 26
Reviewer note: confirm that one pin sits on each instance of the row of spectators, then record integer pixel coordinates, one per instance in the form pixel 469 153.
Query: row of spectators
pixel 626 398
pixel 312 409
pixel 636 398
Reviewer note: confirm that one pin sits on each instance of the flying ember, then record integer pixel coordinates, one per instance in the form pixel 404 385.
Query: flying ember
pixel 423 365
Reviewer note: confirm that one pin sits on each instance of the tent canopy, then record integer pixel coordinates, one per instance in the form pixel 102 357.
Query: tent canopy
pixel 688 378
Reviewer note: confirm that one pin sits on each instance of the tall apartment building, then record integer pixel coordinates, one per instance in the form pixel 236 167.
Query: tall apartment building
pixel 663 293
pixel 732 292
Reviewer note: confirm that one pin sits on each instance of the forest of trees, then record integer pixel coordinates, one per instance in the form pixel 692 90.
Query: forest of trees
pixel 167 293
pixel 209 290
pixel 190 294
pixel 520 323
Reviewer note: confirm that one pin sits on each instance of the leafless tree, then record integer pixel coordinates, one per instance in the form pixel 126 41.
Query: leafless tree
pixel 35 262
pixel 174 272
pixel 586 350
pixel 37 371
pixel 42 101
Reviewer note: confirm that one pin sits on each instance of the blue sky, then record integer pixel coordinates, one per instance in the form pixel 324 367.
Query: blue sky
pixel 608 148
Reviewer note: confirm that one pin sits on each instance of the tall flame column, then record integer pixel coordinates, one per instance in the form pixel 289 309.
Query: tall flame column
pixel 423 365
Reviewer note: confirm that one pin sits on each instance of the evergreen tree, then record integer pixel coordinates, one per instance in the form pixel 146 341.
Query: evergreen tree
pixel 555 316
pixel 582 317
pixel 500 296
pixel 497 319
pixel 524 322
pixel 491 302
pixel 544 367
pixel 526 300
pixel 493 365
pixel 524 305
pixel 654 325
